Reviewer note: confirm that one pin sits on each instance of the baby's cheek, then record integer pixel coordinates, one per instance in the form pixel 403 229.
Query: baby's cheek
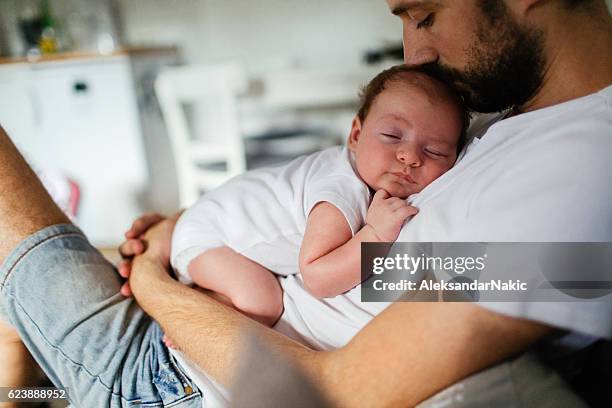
pixel 364 172
pixel 436 171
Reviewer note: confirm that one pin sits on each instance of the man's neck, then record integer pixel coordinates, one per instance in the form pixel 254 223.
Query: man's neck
pixel 579 62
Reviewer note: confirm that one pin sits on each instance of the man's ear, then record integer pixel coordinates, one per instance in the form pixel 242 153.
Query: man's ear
pixel 354 135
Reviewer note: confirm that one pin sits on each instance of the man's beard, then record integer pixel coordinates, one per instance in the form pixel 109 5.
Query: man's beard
pixel 506 66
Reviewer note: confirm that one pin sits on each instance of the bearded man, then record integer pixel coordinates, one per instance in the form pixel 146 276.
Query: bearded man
pixel 539 171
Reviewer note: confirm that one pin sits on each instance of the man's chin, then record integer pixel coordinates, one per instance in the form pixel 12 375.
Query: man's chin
pixel 475 101
pixel 483 104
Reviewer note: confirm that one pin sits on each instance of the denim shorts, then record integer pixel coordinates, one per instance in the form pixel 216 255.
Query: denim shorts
pixel 63 298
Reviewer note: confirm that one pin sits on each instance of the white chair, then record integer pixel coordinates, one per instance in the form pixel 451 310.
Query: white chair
pixel 204 162
pixel 277 123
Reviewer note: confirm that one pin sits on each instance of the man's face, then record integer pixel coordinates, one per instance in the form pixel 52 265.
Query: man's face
pixel 477 46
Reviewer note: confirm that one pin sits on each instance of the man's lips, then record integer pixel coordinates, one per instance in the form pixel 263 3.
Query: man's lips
pixel 404 177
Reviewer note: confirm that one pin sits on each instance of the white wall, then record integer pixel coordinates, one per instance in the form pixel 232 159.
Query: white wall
pixel 315 32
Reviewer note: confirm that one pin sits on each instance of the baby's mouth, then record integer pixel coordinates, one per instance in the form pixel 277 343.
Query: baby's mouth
pixel 405 177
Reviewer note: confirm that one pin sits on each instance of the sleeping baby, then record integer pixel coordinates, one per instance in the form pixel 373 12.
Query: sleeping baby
pixel 312 214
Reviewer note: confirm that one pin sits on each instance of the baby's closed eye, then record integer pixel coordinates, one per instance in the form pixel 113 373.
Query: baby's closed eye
pixel 390 136
pixel 435 152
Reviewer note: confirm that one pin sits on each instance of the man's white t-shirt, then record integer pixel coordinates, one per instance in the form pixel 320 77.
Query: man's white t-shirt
pixel 541 176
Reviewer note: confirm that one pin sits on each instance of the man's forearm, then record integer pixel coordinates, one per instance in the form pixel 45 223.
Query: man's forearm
pixel 207 331
pixel 442 342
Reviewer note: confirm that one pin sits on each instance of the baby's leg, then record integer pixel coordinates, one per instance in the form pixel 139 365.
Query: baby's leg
pixel 252 289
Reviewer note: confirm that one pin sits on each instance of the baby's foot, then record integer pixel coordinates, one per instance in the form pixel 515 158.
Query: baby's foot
pixel 168 342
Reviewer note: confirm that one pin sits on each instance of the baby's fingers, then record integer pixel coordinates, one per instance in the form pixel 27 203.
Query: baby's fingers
pixel 380 195
pixel 407 211
pixel 395 203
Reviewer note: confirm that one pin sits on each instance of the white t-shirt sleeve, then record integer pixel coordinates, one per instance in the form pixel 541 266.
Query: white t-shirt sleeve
pixel 346 193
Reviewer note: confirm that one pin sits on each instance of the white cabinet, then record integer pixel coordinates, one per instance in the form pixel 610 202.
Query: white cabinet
pixel 81 117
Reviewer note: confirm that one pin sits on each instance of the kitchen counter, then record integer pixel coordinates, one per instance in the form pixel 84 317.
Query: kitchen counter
pixel 74 55
pixel 95 120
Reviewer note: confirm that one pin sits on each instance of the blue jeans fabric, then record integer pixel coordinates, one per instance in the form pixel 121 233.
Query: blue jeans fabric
pixel 63 298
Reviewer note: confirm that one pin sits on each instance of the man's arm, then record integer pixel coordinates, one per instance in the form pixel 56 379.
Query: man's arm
pixel 406 354
pixel 217 350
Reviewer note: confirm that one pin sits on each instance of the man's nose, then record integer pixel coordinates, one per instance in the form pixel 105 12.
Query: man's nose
pixel 409 156
pixel 416 49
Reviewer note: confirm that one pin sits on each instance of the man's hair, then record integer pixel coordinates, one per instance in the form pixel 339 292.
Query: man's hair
pixel 578 4
pixel 494 9
pixel 399 73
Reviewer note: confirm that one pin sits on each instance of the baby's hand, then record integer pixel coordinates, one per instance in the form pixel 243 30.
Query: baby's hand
pixel 387 214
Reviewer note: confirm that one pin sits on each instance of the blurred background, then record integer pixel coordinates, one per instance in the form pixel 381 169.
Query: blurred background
pixel 129 106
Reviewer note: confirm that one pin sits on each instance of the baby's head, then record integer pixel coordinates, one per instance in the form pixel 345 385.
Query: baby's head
pixel 408 131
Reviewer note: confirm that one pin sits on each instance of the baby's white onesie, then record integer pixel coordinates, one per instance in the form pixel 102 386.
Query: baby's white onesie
pixel 262 214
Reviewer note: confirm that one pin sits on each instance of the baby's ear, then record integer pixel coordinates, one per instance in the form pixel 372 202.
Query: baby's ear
pixel 354 135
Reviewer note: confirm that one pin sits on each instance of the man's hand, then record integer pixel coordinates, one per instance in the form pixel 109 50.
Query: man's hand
pixel 157 241
pixel 387 214
pixel 151 268
pixel 135 244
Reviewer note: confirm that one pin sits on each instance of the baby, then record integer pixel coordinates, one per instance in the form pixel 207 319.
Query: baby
pixel 314 212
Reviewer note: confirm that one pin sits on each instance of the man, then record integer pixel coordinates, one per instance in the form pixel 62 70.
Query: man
pixel 411 350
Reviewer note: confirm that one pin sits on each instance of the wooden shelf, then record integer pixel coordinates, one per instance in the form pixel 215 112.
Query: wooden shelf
pixel 72 55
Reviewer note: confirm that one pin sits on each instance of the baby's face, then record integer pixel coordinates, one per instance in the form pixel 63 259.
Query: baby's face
pixel 406 141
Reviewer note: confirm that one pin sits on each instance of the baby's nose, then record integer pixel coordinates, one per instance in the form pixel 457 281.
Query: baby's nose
pixel 409 157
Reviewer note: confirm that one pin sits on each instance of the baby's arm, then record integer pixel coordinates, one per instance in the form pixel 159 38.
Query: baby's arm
pixel 330 259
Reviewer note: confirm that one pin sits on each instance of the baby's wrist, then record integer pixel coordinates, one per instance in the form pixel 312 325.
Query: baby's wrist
pixel 373 235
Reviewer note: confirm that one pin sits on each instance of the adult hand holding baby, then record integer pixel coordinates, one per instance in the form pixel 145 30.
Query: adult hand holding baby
pixel 136 243
pixel 387 214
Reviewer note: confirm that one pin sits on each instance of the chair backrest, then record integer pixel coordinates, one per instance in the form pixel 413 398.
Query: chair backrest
pixel 214 91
